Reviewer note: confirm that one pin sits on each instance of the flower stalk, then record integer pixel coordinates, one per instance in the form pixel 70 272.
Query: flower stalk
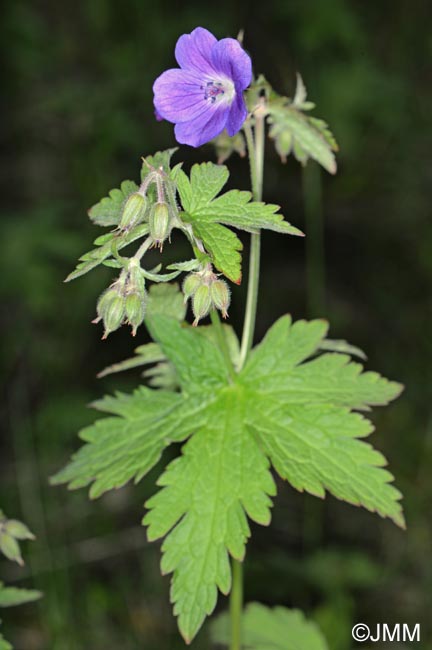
pixel 255 140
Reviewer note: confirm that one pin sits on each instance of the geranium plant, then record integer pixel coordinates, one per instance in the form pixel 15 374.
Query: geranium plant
pixel 292 405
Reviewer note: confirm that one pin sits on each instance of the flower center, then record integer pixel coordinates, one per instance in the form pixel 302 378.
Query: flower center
pixel 219 91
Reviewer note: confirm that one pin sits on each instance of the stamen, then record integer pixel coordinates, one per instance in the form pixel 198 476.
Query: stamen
pixel 214 89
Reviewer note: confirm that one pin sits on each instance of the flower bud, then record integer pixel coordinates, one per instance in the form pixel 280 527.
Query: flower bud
pixel 159 223
pixel 133 212
pixel 111 309
pixel 191 284
pixel 201 302
pixel 220 296
pixel 135 305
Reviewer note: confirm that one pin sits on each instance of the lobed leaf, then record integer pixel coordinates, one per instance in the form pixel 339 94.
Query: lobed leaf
pixel 207 492
pixel 109 209
pixel 266 628
pixel 128 445
pixel 295 132
pixel 208 215
pixel 290 406
pixel 104 249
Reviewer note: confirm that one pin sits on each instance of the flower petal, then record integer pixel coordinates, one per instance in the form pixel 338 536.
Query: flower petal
pixel 229 57
pixel 178 95
pixel 203 129
pixel 194 51
pixel 237 115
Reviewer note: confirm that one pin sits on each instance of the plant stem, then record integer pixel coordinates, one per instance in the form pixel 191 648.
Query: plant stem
pixel 236 604
pixel 143 248
pixel 256 159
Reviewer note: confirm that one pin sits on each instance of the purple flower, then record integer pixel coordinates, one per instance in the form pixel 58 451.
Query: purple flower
pixel 205 95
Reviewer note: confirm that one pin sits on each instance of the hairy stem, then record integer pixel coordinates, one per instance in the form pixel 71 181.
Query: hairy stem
pixel 236 604
pixel 143 248
pixel 256 158
pixel 255 144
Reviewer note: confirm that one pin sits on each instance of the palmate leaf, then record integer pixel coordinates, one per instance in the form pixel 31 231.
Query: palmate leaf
pixel 291 407
pixel 209 215
pixel 266 628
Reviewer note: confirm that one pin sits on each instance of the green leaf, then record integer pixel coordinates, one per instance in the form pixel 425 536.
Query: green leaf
pixel 339 345
pixel 295 132
pixel 226 145
pixel 190 265
pixel 4 645
pixel 206 213
pixel 144 354
pixel 10 548
pixel 223 246
pixel 128 445
pixel 18 530
pixel 109 209
pixel 302 414
pixel 11 596
pixel 104 244
pixel 290 406
pixel 159 159
pixel 221 476
pixel 266 628
pixel 166 299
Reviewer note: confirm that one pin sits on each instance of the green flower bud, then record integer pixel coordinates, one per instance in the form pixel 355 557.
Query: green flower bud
pixel 111 309
pixel 135 305
pixel 220 296
pixel 159 223
pixel 191 284
pixel 201 303
pixel 133 212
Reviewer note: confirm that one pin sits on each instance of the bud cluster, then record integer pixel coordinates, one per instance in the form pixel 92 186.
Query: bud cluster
pixel 161 215
pixel 124 301
pixel 206 292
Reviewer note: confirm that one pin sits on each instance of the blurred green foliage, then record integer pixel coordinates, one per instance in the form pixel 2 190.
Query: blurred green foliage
pixel 78 116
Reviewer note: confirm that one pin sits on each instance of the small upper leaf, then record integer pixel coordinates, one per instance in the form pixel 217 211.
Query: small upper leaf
pixel 296 132
pixel 104 249
pixel 109 209
pixel 206 213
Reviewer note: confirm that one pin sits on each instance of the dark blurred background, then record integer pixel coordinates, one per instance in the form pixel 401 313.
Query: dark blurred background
pixel 77 118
